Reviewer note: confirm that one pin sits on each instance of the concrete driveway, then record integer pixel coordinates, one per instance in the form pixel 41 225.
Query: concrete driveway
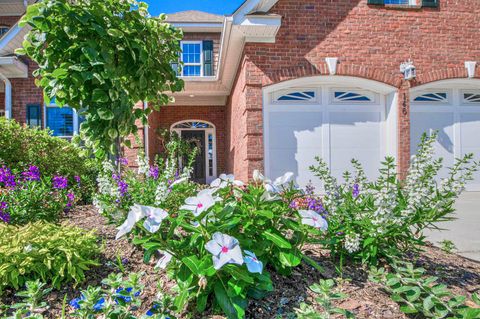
pixel 464 232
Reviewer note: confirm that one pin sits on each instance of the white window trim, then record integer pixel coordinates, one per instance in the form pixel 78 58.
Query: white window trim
pixel 211 130
pixel 201 64
pixel 370 94
pixel 278 94
pixel 76 126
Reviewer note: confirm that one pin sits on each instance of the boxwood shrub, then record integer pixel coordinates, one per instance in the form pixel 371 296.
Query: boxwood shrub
pixel 52 253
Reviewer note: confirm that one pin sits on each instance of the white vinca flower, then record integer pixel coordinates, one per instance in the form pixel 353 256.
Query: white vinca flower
pixel 164 260
pixel 155 216
pixel 200 203
pixel 225 250
pixel 224 181
pixel 253 264
pixel 311 218
pixel 134 216
pixel 280 184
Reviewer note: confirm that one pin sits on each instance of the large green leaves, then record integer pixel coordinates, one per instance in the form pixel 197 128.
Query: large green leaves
pixel 102 57
pixel 234 307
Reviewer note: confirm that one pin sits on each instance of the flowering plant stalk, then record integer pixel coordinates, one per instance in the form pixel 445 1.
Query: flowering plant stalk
pixel 149 184
pixel 220 245
pixel 369 220
pixel 29 196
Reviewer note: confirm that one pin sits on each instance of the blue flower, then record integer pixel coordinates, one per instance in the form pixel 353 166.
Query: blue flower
pixel 75 302
pixel 99 305
pixel 126 299
pixel 253 264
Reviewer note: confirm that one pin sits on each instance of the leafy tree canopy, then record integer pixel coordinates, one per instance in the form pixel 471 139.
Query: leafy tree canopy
pixel 101 57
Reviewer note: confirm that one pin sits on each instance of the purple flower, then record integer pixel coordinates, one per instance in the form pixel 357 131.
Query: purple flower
pixel 154 172
pixel 123 161
pixel 71 199
pixel 122 185
pixel 7 178
pixel 77 179
pixel 33 173
pixel 4 216
pixel 356 190
pixel 59 182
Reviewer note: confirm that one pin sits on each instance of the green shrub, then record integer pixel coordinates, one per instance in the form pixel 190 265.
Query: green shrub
pixel 21 147
pixel 51 253
pixel 372 220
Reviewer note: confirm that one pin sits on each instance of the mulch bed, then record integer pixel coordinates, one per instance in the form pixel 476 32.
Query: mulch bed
pixel 366 299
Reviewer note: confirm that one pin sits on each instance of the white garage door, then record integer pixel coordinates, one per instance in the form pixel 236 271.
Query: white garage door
pixel 455 114
pixel 335 123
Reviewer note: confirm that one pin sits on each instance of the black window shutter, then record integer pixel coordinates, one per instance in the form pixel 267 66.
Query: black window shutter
pixel 376 2
pixel 208 58
pixel 34 115
pixel 430 3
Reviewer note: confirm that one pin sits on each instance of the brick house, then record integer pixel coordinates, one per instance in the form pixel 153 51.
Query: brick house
pixel 279 82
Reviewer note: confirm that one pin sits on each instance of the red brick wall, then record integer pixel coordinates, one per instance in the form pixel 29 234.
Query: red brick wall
pixel 8 21
pixel 370 42
pixel 169 115
pixel 215 37
pixel 24 91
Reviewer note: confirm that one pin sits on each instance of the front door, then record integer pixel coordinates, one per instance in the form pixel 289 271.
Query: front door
pixel 197 139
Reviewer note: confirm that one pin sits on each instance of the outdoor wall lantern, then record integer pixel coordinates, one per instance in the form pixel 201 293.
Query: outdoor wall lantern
pixel 470 66
pixel 408 69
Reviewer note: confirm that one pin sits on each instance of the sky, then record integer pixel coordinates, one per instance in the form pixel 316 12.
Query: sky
pixel 213 6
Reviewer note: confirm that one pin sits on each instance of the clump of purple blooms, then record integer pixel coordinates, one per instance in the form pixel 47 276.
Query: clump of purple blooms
pixel 77 179
pixel 154 172
pixel 122 185
pixel 59 182
pixel 4 215
pixel 32 174
pixel 7 178
pixel 356 190
pixel 310 201
pixel 71 199
pixel 123 161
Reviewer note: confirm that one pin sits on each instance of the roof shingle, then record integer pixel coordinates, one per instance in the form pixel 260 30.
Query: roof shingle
pixel 194 16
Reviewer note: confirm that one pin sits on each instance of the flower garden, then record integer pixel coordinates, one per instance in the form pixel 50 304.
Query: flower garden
pixel 85 235
pixel 154 244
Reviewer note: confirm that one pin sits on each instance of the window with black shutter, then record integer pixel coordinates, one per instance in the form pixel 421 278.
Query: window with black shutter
pixel 34 115
pixel 208 58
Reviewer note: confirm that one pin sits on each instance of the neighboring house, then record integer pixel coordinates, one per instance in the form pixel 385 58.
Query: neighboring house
pixel 279 82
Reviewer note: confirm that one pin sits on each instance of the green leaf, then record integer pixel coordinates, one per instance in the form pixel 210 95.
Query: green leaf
pixel 115 33
pixel 476 298
pixel 100 96
pixel 289 259
pixel 239 273
pixel 277 240
pixel 233 307
pixel 105 114
pixel 408 309
pixel 192 263
pixel 265 213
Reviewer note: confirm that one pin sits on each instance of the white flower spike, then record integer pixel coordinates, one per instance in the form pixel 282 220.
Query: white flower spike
pixel 155 216
pixel 253 264
pixel 311 218
pixel 225 250
pixel 200 203
pixel 136 213
pixel 164 260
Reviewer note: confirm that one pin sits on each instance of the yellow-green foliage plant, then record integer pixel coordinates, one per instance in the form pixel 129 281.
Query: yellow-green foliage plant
pixel 49 252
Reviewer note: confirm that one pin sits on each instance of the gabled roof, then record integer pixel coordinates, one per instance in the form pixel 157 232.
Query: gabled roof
pixel 193 16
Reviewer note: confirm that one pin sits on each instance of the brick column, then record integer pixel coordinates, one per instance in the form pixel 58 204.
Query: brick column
pixel 403 160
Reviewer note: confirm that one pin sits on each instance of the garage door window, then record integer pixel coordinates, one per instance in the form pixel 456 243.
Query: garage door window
pixel 471 98
pixel 350 96
pixel 432 97
pixel 305 95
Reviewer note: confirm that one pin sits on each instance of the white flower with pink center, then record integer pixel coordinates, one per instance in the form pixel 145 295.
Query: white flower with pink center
pixel 155 216
pixel 311 218
pixel 225 250
pixel 200 203
pixel 136 213
pixel 253 264
pixel 224 181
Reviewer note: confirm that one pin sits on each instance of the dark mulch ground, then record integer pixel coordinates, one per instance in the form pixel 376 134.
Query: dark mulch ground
pixel 366 299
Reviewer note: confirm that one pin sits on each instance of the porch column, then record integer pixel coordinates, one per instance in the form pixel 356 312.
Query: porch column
pixel 8 96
